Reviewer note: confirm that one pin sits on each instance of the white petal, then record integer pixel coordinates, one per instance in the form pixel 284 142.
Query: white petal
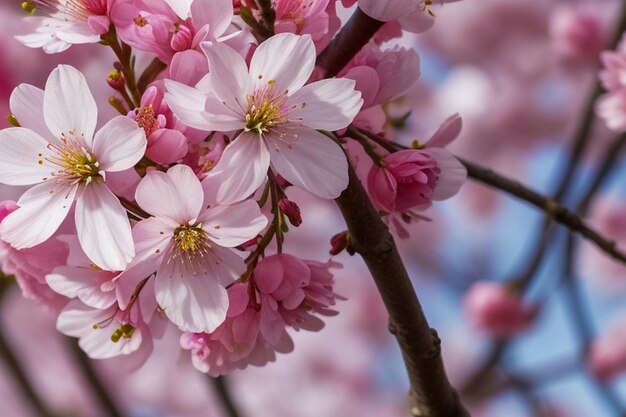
pixel 310 160
pixel 103 228
pixel 176 195
pixel 151 238
pixel 180 7
pixel 26 104
pixel 82 283
pixel 199 110
pixel 240 172
pixel 233 225
pixel 326 104
pixel 23 157
pixel 228 75
pixel 227 266
pixel 286 59
pixel 68 104
pixel 42 209
pixel 193 303
pixel 120 144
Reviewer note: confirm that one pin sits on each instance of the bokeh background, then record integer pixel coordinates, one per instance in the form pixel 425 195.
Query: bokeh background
pixel 519 73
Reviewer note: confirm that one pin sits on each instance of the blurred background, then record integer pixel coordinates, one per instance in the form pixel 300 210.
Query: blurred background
pixel 520 75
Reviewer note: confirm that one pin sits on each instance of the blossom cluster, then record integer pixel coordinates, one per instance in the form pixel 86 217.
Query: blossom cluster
pixel 176 211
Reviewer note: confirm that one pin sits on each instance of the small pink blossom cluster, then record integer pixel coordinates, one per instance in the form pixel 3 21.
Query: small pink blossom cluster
pixel 611 107
pixel 175 212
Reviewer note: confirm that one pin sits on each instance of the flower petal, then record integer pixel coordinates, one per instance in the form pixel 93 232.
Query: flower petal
pixel 240 172
pixel 42 210
pixel 199 110
pixel 23 158
pixel 228 75
pixel 176 195
pixel 310 161
pixel 82 283
pixel 285 59
pixel 193 303
pixel 216 13
pixel 453 173
pixel 326 104
pixel 103 228
pixel 233 225
pixel 68 105
pixel 120 144
pixel 26 104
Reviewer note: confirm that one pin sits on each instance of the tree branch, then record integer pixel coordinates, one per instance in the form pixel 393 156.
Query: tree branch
pixel 350 39
pixel 431 393
pixel 221 389
pixel 559 213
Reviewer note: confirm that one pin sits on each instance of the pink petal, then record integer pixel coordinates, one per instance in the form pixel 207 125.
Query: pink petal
pixel 83 283
pixel 386 10
pixel 26 104
pixel 68 104
pixel 240 171
pixel 453 174
pixel 22 152
pixel 286 59
pixel 188 67
pixel 216 13
pixel 327 104
pixel 447 132
pixel 42 209
pixel 167 146
pixel 120 144
pixel 176 195
pixel 103 228
pixel 309 160
pixel 367 82
pixel 180 7
pixel 194 303
pixel 233 225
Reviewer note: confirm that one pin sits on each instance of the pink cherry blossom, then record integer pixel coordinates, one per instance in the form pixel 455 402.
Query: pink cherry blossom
pixel 277 114
pixel 188 242
pixel 496 310
pixel 56 149
pixel 607 355
pixel 68 22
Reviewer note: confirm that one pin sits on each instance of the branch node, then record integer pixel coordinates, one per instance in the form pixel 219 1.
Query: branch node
pixel 435 350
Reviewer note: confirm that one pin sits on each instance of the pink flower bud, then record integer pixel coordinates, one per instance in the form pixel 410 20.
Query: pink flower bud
pixel 182 39
pixel 495 309
pixel 291 210
pixel 407 180
pixel 338 242
pixel 115 79
pixel 607 355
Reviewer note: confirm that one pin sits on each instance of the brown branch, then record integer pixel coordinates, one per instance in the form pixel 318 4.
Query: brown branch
pixel 431 393
pixel 350 39
pixel 559 213
pixel 222 392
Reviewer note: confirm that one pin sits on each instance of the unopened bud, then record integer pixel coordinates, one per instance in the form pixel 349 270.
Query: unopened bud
pixel 117 105
pixel 338 243
pixel 115 79
pixel 13 120
pixel 291 210
pixel 29 6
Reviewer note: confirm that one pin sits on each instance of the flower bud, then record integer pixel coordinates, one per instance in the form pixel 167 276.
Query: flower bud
pixel 291 210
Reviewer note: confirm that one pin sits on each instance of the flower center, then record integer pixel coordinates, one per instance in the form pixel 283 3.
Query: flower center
pixel 191 239
pixel 77 163
pixel 266 109
pixel 146 119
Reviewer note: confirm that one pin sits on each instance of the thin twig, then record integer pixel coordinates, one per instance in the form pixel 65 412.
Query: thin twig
pixel 431 393
pixel 559 213
pixel 221 389
pixel 95 384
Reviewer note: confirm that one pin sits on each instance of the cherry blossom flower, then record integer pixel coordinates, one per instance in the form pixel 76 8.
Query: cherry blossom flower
pixel 189 243
pixel 276 114
pixel 68 22
pixel 414 15
pixel 58 151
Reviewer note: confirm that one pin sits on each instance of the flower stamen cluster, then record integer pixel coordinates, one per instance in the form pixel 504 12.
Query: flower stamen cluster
pixel 78 164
